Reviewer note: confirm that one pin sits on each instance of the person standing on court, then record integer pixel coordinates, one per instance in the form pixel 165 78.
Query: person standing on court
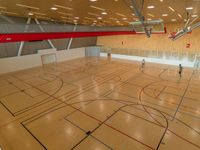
pixel 180 70
pixel 143 64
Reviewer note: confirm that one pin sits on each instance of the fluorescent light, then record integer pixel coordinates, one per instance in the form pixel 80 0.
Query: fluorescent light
pixel 194 16
pixel 37 13
pixel 151 15
pixel 164 15
pixel 124 18
pixel 150 7
pixel 189 8
pixel 26 6
pixel 30 14
pixel 97 8
pixel 173 20
pixel 64 7
pixel 54 8
pixel 104 13
pixel 89 18
pixel 63 13
pixel 8 12
pixel 93 0
pixel 76 18
pixel 171 9
pixel 99 18
pixel 180 15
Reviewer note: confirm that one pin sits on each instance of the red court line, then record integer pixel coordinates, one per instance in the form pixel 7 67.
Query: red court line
pixel 161 92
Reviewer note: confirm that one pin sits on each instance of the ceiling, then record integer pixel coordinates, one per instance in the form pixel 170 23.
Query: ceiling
pixel 90 12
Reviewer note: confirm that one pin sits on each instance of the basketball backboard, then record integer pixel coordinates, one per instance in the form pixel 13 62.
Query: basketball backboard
pixel 153 26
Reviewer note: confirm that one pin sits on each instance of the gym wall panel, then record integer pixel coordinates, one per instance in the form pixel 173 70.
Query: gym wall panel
pixel 9 49
pixel 83 42
pixel 156 42
pixel 33 47
pixel 60 44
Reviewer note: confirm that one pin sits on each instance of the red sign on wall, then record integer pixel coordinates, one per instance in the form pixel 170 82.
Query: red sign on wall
pixel 188 45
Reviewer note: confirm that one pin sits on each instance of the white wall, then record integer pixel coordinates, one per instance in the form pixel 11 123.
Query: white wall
pixel 70 54
pixel 48 58
pixel 29 61
pixel 19 63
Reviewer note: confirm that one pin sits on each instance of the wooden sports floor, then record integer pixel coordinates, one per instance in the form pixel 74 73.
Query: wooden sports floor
pixel 100 104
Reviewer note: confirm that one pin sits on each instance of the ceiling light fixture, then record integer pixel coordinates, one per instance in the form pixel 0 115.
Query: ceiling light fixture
pixel 194 16
pixel 99 18
pixel 8 12
pixel 97 8
pixel 64 7
pixel 189 8
pixel 150 7
pixel 30 14
pixel 54 8
pixel 180 15
pixel 171 9
pixel 63 13
pixel 151 15
pixel 104 13
pixel 164 15
pixel 26 6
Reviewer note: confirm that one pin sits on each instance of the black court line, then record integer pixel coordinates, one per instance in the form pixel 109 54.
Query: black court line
pixel 166 128
pixel 132 104
pixel 86 132
pixel 7 109
pixel 33 136
pixel 124 111
pixel 177 109
pixel 15 113
pixel 118 110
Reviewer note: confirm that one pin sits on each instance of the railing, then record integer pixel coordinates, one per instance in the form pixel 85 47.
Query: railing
pixel 160 54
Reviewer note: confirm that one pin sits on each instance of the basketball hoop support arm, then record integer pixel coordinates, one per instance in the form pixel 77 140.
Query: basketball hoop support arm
pixel 140 16
pixel 185 31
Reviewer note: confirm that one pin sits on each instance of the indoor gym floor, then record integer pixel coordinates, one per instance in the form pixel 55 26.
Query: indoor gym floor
pixel 100 104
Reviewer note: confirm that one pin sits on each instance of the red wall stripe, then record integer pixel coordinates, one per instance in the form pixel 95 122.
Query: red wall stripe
pixel 17 37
